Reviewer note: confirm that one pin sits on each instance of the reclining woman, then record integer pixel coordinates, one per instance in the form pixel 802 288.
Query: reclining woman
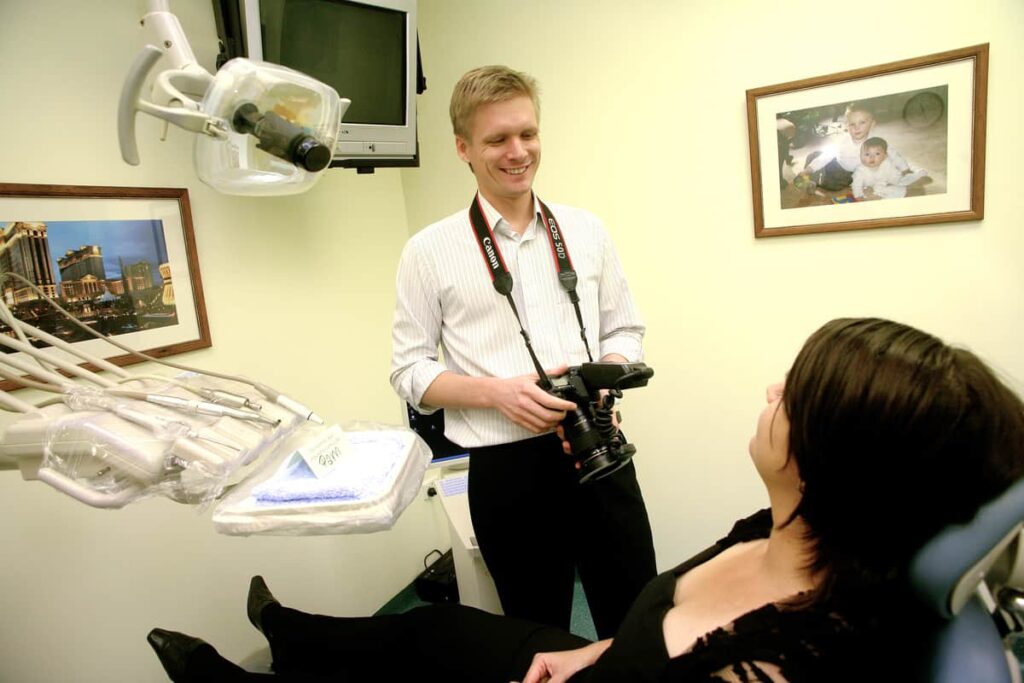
pixel 882 436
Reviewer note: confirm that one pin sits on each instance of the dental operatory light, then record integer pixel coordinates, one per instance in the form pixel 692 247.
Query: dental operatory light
pixel 261 129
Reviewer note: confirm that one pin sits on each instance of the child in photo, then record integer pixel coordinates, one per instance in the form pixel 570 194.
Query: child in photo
pixel 877 177
pixel 832 169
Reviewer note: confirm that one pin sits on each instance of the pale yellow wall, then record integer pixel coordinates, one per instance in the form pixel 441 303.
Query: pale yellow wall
pixel 299 292
pixel 644 123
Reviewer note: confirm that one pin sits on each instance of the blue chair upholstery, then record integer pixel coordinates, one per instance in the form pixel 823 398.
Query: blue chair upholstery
pixel 956 574
pixel 970 650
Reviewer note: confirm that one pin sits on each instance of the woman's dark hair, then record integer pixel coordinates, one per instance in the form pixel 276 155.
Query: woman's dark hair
pixel 896 435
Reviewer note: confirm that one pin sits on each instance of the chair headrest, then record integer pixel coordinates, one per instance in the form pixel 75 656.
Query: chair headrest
pixel 946 571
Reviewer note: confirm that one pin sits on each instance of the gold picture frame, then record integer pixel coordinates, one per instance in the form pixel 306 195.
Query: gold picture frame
pixel 120 259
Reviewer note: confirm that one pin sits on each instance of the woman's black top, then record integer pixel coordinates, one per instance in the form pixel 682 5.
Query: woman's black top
pixel 794 644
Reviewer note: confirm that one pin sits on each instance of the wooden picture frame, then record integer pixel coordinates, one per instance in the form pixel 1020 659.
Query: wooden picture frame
pixel 928 112
pixel 121 259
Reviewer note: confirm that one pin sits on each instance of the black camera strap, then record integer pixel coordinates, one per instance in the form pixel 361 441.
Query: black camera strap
pixel 566 273
pixel 502 279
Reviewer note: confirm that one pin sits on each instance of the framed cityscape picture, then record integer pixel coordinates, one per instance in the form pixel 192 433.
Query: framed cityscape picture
pixel 889 145
pixel 84 263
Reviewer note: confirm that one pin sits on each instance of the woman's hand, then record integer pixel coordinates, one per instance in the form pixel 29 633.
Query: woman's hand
pixel 566 448
pixel 558 667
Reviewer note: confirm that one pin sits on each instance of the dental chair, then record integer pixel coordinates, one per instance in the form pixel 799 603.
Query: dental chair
pixel 972 576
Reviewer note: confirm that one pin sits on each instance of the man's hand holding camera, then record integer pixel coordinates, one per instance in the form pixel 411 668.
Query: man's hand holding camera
pixel 579 398
pixel 591 429
pixel 522 401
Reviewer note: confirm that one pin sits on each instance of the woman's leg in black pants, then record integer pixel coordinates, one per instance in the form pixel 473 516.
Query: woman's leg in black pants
pixel 449 643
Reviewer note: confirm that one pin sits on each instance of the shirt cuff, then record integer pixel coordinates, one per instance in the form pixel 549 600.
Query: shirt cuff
pixel 422 376
pixel 628 346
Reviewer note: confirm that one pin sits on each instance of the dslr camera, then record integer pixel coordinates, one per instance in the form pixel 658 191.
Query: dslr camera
pixel 597 444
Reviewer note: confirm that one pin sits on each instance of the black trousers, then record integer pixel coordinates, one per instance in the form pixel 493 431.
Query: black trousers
pixel 536 525
pixel 443 643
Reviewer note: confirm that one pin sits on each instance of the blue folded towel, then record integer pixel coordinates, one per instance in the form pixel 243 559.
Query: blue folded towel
pixel 367 469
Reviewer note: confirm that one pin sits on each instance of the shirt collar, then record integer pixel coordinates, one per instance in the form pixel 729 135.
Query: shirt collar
pixel 500 225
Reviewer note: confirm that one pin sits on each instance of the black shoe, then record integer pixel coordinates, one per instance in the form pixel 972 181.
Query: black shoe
pixel 259 599
pixel 174 651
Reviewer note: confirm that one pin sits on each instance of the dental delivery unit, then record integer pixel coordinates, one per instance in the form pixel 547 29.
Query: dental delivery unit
pixel 108 440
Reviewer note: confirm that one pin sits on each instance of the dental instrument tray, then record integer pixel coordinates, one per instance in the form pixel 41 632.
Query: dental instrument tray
pixel 375 479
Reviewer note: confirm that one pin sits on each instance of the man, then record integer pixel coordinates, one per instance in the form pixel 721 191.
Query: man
pixel 534 522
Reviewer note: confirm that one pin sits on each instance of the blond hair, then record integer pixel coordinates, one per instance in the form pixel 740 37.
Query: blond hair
pixel 486 85
pixel 863 109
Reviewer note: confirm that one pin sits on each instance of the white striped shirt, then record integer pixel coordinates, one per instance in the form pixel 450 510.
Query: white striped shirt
pixel 445 297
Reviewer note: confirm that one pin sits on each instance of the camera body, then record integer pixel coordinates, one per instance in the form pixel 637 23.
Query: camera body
pixel 597 444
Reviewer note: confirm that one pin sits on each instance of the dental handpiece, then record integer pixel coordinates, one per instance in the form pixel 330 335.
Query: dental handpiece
pixel 227 398
pixel 194 407
pixel 205 408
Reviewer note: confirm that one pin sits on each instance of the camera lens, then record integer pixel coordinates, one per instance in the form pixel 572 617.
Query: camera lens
pixel 580 432
pixel 598 457
pixel 599 464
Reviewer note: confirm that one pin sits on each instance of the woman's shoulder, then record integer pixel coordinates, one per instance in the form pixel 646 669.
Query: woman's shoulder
pixel 757 525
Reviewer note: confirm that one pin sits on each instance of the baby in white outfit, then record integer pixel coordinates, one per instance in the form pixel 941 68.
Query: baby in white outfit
pixel 877 177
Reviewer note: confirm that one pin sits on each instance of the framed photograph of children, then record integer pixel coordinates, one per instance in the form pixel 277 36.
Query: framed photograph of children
pixel 890 145
pixel 120 261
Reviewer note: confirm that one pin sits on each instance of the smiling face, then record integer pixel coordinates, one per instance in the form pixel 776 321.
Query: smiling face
pixel 859 124
pixel 872 156
pixel 503 149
